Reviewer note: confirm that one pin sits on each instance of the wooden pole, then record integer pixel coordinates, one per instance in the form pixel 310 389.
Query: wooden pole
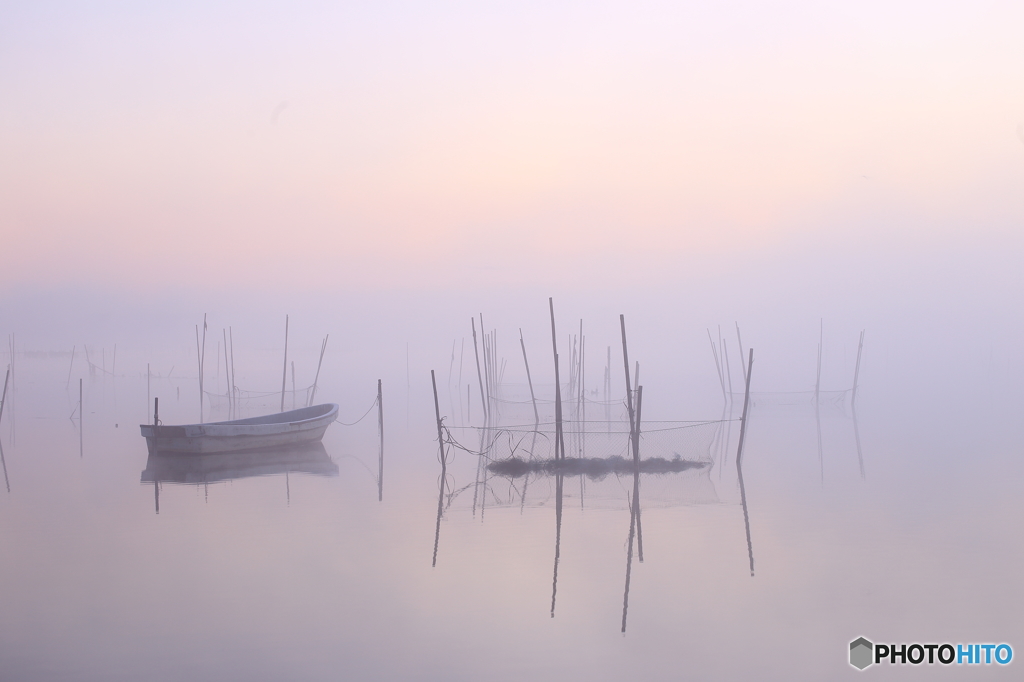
pixel 536 413
pixel 625 362
pixel 485 347
pixel 817 381
pixel 323 349
pixel 81 421
pixel 199 361
pixel 284 372
pixel 740 342
pixel 462 353
pixel 71 366
pixel 3 398
pixel 479 376
pixel 156 411
pixel 636 476
pixel 380 453
pixel 227 370
pixel 444 465
pixel 718 366
pixel 559 442
pixel 728 368
pixel 234 382
pixel 739 459
pixel 856 370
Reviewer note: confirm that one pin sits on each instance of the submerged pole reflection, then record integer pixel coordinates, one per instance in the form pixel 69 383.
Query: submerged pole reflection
pixel 739 462
pixel 559 479
pixel 444 473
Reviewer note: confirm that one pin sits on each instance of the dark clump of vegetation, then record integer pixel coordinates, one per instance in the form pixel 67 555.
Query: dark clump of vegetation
pixel 591 467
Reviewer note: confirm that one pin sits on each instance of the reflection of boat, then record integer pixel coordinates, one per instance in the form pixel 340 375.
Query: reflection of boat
pixel 284 429
pixel 309 458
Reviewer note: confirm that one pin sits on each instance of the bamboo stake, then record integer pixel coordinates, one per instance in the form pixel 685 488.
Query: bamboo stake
pixel 380 429
pixel 227 370
pixel 856 370
pixel 71 366
pixel 817 381
pixel 728 369
pixel 3 398
pixel 234 383
pixel 479 376
pixel 559 442
pixel 718 366
pixel 740 342
pixel 462 353
pixel 625 362
pixel 536 414
pixel 636 477
pixel 323 349
pixel 284 372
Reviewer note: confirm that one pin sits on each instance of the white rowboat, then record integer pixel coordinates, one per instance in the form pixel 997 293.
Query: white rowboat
pixel 305 425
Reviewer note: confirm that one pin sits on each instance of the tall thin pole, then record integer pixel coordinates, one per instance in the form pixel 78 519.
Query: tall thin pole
pixel 234 382
pixel 227 370
pixel 380 454
pixel 71 366
pixel 479 376
pixel 284 372
pixel 536 414
pixel 199 360
pixel 3 398
pixel 817 381
pixel 81 421
pixel 740 342
pixel 625 363
pixel 559 442
pixel 323 349
pixel 636 476
pixel 718 366
pixel 856 370
pixel 728 368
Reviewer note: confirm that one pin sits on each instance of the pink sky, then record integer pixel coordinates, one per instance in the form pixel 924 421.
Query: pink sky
pixel 323 147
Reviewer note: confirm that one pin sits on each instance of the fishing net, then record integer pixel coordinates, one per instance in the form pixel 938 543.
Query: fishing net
pixel 515 465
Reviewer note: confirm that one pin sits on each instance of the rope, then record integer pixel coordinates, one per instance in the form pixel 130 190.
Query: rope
pixel 372 405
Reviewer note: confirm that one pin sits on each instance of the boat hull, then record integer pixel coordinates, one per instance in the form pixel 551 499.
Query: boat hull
pixel 295 427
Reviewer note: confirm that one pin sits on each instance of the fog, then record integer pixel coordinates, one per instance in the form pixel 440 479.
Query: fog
pixel 393 179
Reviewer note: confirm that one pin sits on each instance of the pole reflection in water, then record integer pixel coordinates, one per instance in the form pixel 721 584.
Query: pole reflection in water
pixel 739 462
pixel 559 479
pixel 3 461
pixel 634 507
pixel 444 466
pixel 310 458
pixel 856 438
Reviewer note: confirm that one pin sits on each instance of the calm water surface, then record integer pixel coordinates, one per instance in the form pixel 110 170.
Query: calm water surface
pixel 301 573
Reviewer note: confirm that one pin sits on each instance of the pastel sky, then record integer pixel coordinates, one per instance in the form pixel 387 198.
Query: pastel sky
pixel 324 144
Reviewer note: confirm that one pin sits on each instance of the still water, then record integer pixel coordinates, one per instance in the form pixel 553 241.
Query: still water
pixel 901 525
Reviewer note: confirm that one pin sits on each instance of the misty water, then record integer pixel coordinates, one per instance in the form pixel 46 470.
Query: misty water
pixel 898 521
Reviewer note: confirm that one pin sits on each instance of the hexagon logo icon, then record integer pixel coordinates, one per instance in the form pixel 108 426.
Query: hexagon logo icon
pixel 860 653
